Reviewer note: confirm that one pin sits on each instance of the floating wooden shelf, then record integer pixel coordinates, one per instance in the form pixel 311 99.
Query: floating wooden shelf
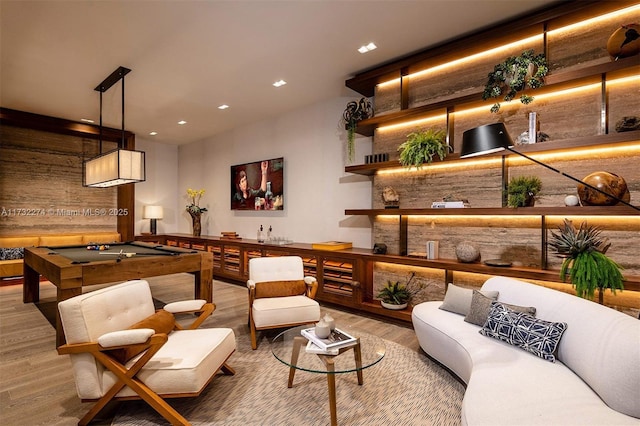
pixel 563 144
pixel 502 211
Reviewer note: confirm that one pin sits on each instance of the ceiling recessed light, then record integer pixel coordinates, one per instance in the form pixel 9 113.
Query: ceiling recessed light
pixel 153 133
pixel 223 106
pixel 87 120
pixel 279 83
pixel 181 122
pixel 368 48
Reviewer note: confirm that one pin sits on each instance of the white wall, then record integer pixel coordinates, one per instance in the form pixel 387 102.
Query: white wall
pixel 317 190
pixel 160 187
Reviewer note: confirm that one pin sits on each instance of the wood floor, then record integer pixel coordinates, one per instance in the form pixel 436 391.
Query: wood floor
pixel 37 385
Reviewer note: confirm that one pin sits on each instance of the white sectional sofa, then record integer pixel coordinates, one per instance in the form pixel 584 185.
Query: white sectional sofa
pixel 595 379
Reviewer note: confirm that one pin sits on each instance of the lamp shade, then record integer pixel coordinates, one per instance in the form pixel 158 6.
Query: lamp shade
pixel 152 212
pixel 485 140
pixel 113 168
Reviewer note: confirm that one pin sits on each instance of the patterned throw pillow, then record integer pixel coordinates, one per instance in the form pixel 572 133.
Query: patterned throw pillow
pixel 537 336
pixel 11 253
pixel 481 305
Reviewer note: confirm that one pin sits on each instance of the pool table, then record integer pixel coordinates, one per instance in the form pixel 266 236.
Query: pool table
pixel 70 268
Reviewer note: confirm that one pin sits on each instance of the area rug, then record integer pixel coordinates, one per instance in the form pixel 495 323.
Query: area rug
pixel 405 388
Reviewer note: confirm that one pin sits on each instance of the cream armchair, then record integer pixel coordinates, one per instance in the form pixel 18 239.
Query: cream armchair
pixel 280 295
pixel 120 348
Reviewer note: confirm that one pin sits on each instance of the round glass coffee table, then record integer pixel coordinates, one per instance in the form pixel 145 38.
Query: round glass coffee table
pixel 289 347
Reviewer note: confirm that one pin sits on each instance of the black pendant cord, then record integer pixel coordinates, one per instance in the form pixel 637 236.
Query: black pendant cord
pixel 100 145
pixel 572 178
pixel 122 144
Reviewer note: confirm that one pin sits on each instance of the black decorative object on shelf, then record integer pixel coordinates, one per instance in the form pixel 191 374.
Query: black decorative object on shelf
pixel 376 158
pixel 379 248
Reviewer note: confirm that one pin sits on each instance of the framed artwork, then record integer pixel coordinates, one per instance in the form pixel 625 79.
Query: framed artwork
pixel 258 185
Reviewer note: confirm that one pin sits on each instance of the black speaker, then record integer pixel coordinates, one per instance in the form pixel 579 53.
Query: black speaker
pixel 379 248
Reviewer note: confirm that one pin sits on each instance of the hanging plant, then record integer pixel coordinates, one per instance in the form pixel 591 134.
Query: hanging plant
pixel 515 74
pixel 353 113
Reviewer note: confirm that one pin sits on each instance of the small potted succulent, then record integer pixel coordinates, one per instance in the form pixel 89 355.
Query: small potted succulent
pixel 585 263
pixel 397 296
pixel 523 191
pixel 421 146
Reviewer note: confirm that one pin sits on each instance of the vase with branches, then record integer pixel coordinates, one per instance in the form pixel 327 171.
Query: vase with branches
pixel 194 209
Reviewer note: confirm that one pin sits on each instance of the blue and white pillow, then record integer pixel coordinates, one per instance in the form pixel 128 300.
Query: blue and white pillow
pixel 534 335
pixel 11 253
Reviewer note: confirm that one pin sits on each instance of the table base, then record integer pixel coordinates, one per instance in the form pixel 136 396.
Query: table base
pixel 299 342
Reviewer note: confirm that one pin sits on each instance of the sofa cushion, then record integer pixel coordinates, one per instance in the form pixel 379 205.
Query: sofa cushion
pixel 161 322
pixel 17 241
pixel 481 305
pixel 537 336
pixel 12 253
pixel 60 240
pixel 280 288
pixel 271 311
pixel 458 299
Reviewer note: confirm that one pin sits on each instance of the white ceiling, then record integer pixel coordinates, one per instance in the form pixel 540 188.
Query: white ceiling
pixel 189 57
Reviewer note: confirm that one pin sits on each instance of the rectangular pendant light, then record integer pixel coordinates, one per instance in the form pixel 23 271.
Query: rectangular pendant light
pixel 120 166
pixel 113 168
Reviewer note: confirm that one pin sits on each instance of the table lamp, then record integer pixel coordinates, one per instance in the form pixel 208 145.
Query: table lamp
pixel 492 138
pixel 154 213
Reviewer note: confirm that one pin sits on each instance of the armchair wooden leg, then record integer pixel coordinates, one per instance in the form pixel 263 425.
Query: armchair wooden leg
pixel 254 340
pixel 227 369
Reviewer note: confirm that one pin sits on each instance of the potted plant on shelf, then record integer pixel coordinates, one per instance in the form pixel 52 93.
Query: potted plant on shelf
pixel 522 191
pixel 516 74
pixel 586 264
pixel 421 146
pixel 396 296
pixel 353 113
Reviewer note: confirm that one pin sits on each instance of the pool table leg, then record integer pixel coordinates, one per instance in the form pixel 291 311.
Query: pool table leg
pixel 30 285
pixel 63 294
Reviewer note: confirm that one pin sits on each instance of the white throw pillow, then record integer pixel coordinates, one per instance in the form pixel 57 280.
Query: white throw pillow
pixel 458 299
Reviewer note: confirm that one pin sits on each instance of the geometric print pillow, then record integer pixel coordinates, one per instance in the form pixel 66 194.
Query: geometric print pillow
pixel 11 253
pixel 537 336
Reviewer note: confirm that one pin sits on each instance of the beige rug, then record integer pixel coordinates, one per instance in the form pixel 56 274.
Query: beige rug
pixel 405 388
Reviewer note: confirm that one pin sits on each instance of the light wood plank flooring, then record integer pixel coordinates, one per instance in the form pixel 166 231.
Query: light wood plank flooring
pixel 37 385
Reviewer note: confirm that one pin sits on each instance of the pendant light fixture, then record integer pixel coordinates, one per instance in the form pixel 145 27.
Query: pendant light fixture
pixel 119 166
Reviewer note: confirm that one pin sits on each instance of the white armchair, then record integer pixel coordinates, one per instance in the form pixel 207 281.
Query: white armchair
pixel 280 295
pixel 120 348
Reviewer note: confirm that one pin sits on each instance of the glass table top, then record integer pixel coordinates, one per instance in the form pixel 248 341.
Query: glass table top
pixel 372 350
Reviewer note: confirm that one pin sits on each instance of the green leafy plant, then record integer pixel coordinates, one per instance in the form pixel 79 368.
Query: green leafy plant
pixel 515 74
pixel 398 294
pixel 421 146
pixel 353 113
pixel 586 264
pixel 522 191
